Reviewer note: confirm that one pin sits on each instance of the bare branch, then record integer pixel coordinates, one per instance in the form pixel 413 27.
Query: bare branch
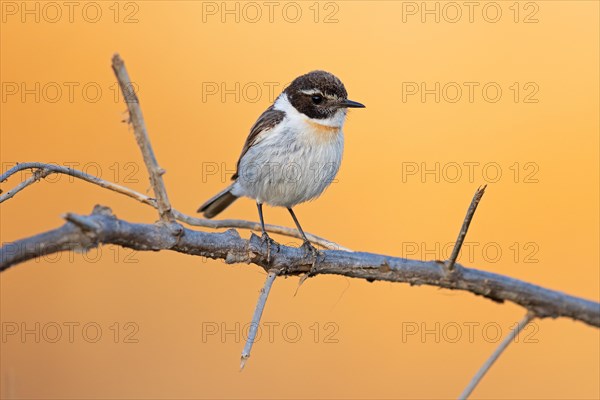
pixel 490 361
pixel 141 135
pixel 229 246
pixel 465 227
pixel 260 306
pixel 206 223
pixel 102 227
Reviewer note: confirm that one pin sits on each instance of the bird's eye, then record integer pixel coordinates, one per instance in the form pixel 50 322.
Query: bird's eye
pixel 317 99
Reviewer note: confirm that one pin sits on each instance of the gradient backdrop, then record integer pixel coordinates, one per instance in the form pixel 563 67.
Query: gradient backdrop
pixel 458 95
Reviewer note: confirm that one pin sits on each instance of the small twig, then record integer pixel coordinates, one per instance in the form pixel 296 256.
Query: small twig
pixel 37 175
pixel 81 221
pixel 193 221
pixel 465 227
pixel 74 173
pixel 255 226
pixel 490 361
pixel 141 135
pixel 260 306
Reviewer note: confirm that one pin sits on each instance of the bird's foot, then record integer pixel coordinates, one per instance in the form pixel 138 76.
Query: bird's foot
pixel 312 250
pixel 266 238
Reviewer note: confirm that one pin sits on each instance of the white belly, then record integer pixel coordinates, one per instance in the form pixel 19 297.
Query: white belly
pixel 290 166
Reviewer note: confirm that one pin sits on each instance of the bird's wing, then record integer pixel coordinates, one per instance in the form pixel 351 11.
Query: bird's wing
pixel 265 122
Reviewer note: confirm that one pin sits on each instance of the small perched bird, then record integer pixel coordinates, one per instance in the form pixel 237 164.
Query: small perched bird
pixel 293 151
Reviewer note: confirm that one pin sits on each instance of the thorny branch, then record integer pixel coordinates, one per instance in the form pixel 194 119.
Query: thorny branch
pixel 102 227
pixel 465 227
pixel 492 359
pixel 141 136
pixel 260 306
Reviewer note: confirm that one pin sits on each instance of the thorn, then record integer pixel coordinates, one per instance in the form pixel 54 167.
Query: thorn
pixel 303 278
pixel 243 362
pixel 81 222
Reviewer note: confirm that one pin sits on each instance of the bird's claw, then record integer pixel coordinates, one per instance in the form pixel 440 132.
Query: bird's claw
pixel 309 248
pixel 266 238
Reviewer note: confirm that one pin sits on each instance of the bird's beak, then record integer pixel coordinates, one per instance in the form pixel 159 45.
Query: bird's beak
pixel 351 104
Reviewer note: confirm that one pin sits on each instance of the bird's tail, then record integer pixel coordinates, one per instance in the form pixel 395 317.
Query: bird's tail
pixel 218 203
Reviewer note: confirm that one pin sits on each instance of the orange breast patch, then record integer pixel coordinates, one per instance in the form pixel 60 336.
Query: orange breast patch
pixel 324 132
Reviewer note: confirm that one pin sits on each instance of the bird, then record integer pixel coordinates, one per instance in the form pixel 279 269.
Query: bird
pixel 293 151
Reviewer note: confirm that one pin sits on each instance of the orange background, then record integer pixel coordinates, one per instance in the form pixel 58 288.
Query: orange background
pixel 543 219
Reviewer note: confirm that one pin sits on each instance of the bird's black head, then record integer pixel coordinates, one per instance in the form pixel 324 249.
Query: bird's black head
pixel 319 95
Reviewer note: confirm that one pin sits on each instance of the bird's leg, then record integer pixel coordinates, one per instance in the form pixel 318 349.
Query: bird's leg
pixel 307 244
pixel 265 236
